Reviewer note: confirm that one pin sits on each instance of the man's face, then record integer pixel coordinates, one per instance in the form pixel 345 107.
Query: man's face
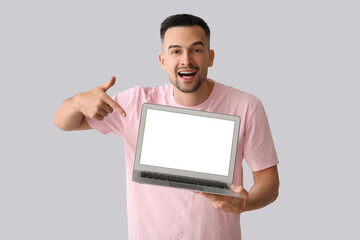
pixel 186 57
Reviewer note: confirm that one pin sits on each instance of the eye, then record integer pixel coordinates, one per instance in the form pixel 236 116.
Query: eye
pixel 175 52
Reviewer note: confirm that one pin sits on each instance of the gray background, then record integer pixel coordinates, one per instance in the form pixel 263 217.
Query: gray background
pixel 301 58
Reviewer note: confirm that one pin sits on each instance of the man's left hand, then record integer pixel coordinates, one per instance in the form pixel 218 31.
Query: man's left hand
pixel 229 204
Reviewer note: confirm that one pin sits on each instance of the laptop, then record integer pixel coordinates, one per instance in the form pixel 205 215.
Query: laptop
pixel 187 149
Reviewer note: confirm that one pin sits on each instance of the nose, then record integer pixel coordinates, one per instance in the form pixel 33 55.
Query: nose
pixel 186 59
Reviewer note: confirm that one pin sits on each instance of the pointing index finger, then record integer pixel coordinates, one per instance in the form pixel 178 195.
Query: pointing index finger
pixel 115 106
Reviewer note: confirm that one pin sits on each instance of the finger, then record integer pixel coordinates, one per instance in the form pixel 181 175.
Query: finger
pixel 213 197
pixel 239 189
pixel 215 205
pixel 102 113
pixel 106 86
pixel 221 205
pixel 115 106
pixel 108 108
pixel 99 117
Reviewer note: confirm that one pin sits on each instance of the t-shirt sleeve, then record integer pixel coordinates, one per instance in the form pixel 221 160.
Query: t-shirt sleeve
pixel 259 150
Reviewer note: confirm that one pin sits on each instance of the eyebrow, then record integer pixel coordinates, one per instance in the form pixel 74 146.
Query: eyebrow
pixel 193 44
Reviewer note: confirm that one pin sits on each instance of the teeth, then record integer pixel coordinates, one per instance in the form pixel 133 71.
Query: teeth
pixel 185 73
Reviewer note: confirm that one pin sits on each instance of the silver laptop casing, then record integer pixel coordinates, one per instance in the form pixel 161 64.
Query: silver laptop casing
pixel 228 180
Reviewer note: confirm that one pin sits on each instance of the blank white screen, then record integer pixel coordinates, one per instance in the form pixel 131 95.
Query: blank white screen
pixel 187 142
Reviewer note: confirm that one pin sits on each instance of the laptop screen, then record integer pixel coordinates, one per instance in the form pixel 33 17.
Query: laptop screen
pixel 187 142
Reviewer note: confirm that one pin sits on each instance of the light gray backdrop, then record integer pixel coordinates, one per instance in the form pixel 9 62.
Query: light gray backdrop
pixel 301 58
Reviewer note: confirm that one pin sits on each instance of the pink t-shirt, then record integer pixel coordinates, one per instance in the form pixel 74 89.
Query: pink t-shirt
pixel 156 212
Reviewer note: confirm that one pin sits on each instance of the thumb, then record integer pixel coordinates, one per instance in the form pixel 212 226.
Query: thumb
pixel 240 189
pixel 108 85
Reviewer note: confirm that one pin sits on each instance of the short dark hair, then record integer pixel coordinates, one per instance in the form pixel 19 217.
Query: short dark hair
pixel 184 20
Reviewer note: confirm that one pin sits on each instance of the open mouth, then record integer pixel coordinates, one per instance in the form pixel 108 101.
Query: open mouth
pixel 187 74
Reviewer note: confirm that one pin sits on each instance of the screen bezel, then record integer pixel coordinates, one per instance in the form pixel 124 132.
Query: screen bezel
pixel 142 123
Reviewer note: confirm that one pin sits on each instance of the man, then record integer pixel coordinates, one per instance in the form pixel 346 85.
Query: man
pixel 165 213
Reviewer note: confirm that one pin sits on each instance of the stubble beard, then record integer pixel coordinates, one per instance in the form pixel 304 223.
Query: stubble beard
pixel 197 85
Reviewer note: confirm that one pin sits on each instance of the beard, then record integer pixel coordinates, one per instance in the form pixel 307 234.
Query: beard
pixel 184 89
pixel 189 89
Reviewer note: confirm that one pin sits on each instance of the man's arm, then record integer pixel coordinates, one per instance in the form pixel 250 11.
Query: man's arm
pixel 94 104
pixel 264 191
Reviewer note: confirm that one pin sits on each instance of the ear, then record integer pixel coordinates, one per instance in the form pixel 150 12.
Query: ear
pixel 211 57
pixel 162 61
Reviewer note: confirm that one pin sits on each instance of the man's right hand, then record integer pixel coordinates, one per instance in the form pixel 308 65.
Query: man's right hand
pixel 96 104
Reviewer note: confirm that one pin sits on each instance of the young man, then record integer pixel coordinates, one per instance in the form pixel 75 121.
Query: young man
pixel 164 213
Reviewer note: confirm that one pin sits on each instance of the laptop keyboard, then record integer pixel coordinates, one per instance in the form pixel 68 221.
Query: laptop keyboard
pixel 181 179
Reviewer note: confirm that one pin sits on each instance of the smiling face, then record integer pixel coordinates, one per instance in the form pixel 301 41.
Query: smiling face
pixel 186 57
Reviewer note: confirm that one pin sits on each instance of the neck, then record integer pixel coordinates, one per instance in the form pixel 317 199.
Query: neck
pixel 194 98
